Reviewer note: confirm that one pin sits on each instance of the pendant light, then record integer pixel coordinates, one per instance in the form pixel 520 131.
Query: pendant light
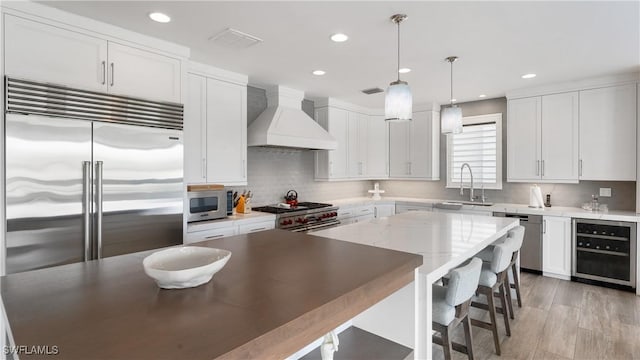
pixel 398 103
pixel 451 116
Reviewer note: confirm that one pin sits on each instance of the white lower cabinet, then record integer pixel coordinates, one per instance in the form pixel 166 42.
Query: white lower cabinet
pixel 556 247
pixel 256 227
pixel 354 214
pixel 233 225
pixel 212 234
pixel 384 210
pixel 403 208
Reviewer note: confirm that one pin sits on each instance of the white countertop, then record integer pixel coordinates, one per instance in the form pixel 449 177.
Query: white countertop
pixel 615 215
pixel 445 240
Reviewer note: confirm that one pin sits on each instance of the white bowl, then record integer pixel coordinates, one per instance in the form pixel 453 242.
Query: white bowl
pixel 184 267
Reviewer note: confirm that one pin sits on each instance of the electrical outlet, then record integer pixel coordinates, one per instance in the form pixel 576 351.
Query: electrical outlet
pixel 605 192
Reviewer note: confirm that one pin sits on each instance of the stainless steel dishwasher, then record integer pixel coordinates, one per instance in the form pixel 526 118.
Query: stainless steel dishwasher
pixel 531 251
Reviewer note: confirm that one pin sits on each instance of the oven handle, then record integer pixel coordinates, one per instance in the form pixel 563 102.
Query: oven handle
pixel 322 226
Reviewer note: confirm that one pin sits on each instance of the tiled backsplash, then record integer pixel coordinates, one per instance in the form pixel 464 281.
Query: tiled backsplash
pixel 274 171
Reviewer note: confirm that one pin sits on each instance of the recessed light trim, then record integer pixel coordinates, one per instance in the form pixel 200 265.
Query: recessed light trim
pixel 404 70
pixel 339 37
pixel 528 76
pixel 482 96
pixel 454 100
pixel 160 17
pixel 318 72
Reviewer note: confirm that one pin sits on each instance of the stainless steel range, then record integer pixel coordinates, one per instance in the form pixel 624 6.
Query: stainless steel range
pixel 306 216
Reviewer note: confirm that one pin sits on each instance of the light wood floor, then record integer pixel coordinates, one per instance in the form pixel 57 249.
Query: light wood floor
pixel 563 320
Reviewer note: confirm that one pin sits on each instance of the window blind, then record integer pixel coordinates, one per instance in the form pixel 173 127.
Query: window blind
pixel 476 145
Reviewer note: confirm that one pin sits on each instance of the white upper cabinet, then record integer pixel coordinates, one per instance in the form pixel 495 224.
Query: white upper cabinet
pixel 357 144
pixel 53 54
pixel 195 130
pixel 542 138
pixel 144 74
pixel 44 53
pixel 399 149
pixel 215 127
pixel 608 133
pixel 333 164
pixel 560 137
pixel 226 133
pixel 377 148
pixel 523 139
pixel 414 147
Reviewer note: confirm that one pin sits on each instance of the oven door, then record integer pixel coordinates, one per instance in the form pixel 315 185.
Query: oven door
pixel 206 205
pixel 317 227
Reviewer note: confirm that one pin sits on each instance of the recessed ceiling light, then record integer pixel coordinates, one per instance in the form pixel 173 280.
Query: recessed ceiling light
pixel 482 96
pixel 339 37
pixel 404 70
pixel 159 17
pixel 528 76
pixel 454 100
pixel 318 72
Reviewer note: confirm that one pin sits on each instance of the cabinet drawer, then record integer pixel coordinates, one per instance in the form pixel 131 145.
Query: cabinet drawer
pixel 209 235
pixel 255 227
pixel 406 208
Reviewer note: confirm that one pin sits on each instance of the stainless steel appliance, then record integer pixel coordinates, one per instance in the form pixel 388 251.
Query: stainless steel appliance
pixel 88 175
pixel 207 202
pixel 305 217
pixel 531 251
pixel 604 251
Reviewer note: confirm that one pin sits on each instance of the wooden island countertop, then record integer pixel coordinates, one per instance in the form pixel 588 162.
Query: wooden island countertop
pixel 279 292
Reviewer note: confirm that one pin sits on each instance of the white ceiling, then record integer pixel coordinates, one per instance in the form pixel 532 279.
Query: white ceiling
pixel 497 42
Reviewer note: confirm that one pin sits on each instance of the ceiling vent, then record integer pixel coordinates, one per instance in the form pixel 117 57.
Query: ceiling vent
pixel 372 91
pixel 233 38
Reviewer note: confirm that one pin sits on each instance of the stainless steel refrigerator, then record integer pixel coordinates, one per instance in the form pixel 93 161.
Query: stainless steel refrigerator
pixel 88 175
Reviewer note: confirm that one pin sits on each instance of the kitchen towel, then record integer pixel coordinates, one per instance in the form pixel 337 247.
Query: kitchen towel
pixel 535 197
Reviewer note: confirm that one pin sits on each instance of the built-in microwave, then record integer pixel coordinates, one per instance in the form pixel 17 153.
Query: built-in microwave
pixel 206 202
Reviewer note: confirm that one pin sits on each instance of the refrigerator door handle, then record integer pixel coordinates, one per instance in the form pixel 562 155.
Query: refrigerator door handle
pixel 99 209
pixel 86 208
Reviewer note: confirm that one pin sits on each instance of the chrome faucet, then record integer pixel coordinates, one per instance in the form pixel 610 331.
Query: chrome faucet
pixel 461 188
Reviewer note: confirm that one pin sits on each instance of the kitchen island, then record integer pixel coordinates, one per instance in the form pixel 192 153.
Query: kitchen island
pixel 444 240
pixel 279 292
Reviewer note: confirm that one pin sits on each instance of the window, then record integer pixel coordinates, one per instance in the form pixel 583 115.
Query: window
pixel 479 145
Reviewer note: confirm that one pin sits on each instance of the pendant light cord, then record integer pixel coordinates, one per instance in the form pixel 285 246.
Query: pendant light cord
pixel 398 22
pixel 451 97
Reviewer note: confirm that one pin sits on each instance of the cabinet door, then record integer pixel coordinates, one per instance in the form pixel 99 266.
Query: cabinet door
pixel 39 52
pixel 556 246
pixel 256 227
pixel 195 121
pixel 608 133
pixel 377 148
pixel 560 137
pixel 357 144
pixel 143 74
pixel 523 139
pixel 399 149
pixel 209 234
pixel 339 128
pixel 421 145
pixel 226 133
pixel 384 210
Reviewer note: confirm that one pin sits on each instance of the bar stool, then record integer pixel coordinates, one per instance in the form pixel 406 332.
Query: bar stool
pixel 487 254
pixel 451 307
pixel 493 278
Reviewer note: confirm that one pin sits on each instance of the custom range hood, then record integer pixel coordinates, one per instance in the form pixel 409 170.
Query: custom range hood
pixel 284 124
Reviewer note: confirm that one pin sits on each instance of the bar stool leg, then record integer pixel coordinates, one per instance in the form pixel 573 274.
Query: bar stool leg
pixel 503 300
pixel 466 323
pixel 516 281
pixel 509 299
pixel 446 343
